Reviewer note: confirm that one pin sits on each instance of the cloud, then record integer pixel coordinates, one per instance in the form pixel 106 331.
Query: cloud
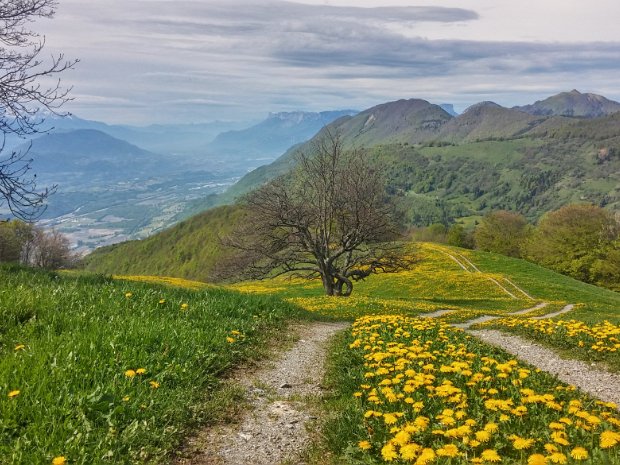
pixel 153 60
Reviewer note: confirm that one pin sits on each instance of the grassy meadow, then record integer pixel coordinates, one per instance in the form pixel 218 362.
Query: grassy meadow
pixel 100 371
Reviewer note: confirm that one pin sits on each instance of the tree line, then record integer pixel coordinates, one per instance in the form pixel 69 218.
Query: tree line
pixel 31 245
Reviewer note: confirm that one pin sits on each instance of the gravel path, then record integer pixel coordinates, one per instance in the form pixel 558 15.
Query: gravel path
pixel 566 309
pixel 275 429
pixel 600 384
pixel 528 310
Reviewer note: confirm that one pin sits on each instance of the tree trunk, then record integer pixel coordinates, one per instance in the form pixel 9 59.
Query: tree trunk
pixel 328 284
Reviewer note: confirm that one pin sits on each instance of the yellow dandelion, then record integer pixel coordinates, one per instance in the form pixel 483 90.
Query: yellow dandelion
pixel 490 455
pixel 558 457
pixel 609 439
pixel 389 453
pixel 20 347
pixel 14 394
pixel 537 459
pixel 60 460
pixel 126 399
pixel 184 306
pixel 230 340
pixel 449 450
pixel 427 456
pixel 522 443
pixel 141 371
pixel 128 295
pixel 130 373
pixel 154 384
pixel 579 453
pixel 162 301
pixel 389 418
pixel 364 445
pixel 491 427
pixel 409 451
pixel 483 436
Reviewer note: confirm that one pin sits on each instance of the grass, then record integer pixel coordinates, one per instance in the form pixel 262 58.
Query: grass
pixel 117 371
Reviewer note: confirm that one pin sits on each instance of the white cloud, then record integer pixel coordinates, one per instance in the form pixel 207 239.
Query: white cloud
pixel 155 60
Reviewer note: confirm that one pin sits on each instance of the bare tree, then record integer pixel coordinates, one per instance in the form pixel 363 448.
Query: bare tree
pixel 330 219
pixel 50 250
pixel 22 96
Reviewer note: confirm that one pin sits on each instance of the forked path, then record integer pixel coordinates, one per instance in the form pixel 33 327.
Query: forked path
pixel 275 428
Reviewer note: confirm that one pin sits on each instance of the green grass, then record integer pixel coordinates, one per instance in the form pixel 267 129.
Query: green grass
pixel 81 334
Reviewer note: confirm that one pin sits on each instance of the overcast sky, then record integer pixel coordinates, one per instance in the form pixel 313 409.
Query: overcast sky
pixel 145 61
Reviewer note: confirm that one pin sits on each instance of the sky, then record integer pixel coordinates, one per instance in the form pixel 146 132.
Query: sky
pixel 184 61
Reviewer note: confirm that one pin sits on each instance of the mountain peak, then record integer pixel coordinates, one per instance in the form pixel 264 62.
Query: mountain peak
pixel 573 103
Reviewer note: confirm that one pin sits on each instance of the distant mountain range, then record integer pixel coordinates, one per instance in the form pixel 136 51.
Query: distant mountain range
pixel 574 104
pixel 267 140
pixel 117 182
pixel 440 168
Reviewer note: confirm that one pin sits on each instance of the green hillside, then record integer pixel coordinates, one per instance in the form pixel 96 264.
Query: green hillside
pixel 190 249
pixel 535 157
pixel 102 371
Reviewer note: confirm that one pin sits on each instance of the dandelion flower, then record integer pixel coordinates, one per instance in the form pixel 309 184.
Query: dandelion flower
pixel 14 393
pixel 537 459
pixel 230 340
pixel 130 373
pixel 449 450
pixel 126 399
pixel 154 384
pixel 427 456
pixel 162 301
pixel 409 451
pixel 579 453
pixel 184 306
pixel 19 347
pixel 141 371
pixel 490 455
pixel 522 443
pixel 364 445
pixel 388 453
pixel 558 457
pixel 61 460
pixel 609 439
pixel 128 295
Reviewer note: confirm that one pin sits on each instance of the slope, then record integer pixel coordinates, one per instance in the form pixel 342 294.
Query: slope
pixel 190 249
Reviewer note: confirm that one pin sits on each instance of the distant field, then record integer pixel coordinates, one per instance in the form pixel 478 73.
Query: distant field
pixel 104 371
pixel 438 282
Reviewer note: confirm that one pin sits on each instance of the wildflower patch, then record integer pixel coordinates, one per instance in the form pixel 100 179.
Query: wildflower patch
pixel 429 393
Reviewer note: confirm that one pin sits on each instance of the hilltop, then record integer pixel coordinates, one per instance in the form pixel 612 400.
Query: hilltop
pixel 573 103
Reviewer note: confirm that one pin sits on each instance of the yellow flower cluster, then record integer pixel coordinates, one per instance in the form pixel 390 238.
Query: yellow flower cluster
pixel 139 372
pixel 235 336
pixel 430 393
pixel 168 281
pixel 601 338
